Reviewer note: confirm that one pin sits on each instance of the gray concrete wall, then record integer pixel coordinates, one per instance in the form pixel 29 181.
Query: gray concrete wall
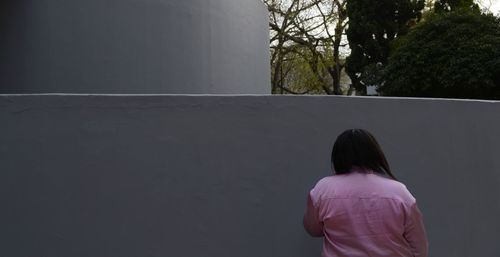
pixel 134 46
pixel 228 176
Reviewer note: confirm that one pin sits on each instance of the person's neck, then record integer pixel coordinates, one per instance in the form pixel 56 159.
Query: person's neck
pixel 358 169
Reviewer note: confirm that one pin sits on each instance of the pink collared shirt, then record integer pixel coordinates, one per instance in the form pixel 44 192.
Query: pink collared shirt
pixel 363 215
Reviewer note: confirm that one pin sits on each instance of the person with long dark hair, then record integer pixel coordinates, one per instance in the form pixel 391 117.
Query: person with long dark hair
pixel 362 210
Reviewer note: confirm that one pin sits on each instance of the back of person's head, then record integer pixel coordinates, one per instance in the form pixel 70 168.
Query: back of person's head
pixel 357 149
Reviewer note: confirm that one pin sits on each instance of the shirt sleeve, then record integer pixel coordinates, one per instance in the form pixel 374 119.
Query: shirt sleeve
pixel 312 223
pixel 415 232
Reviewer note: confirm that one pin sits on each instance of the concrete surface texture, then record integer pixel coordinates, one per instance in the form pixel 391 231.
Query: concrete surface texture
pixel 134 46
pixel 228 176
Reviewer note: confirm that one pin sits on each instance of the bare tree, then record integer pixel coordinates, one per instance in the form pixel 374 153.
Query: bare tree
pixel 312 30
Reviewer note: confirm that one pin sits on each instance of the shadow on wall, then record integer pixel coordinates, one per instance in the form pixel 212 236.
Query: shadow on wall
pixel 134 47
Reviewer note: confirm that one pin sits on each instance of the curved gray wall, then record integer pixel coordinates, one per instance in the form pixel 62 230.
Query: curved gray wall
pixel 190 176
pixel 134 46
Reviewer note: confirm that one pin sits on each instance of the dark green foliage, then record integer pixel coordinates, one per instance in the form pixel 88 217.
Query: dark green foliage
pixel 441 6
pixel 453 55
pixel 372 26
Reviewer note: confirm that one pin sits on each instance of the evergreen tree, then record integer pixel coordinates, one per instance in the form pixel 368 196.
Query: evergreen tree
pixel 442 6
pixel 372 26
pixel 453 54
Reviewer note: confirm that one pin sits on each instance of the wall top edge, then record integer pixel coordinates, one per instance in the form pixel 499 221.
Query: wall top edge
pixel 250 95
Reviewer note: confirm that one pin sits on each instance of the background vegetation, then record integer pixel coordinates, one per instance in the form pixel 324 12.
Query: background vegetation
pixel 419 48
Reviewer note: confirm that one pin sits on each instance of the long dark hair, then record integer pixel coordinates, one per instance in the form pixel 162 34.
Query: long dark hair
pixel 359 148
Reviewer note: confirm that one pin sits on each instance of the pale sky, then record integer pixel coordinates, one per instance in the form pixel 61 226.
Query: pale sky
pixel 492 5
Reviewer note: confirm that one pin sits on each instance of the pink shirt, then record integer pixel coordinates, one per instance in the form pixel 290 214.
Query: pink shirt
pixel 363 215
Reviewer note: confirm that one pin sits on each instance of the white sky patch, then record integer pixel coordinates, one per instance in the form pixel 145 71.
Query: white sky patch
pixel 492 5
